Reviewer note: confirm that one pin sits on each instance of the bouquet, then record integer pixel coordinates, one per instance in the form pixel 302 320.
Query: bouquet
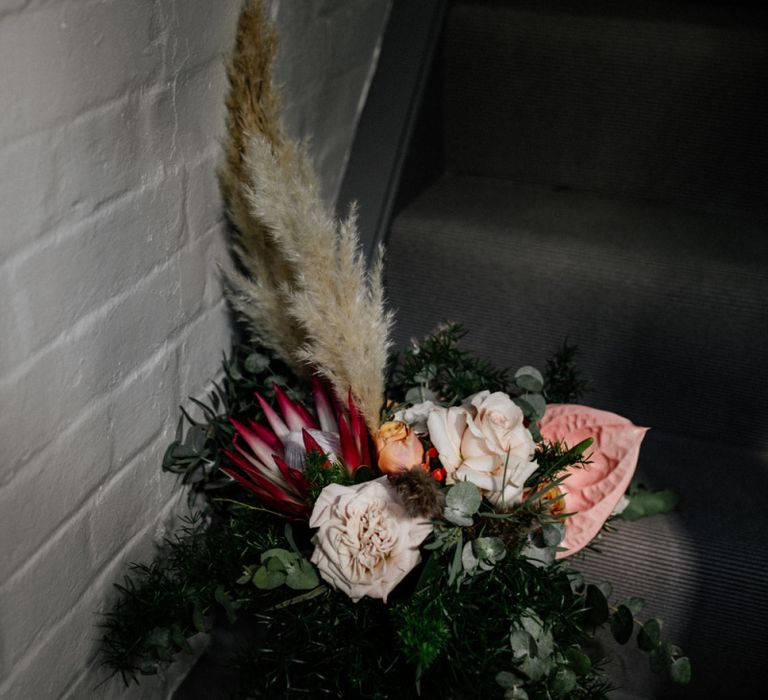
pixel 390 525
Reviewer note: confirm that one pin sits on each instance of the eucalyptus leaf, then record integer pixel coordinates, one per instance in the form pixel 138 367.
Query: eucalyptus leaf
pixel 635 605
pixel 605 588
pixel 644 503
pixel 552 533
pixel 282 555
pixel 535 668
pixel 302 576
pixel 597 607
pixel 489 549
pixel 419 394
pixel 532 405
pixel 680 670
pixel 267 580
pixel 649 636
pixel 529 379
pixel 622 624
pixel 520 641
pixel 463 498
pixel 578 661
pixel 563 683
pixel 507 680
pixel 468 559
pixel 517 693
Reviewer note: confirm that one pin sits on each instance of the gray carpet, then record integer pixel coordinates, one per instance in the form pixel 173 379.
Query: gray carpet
pixel 607 182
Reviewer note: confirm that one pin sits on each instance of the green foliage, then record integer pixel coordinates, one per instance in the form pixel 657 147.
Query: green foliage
pixel 320 473
pixel 462 501
pixel 196 453
pixel 423 629
pixel 644 503
pixel 437 369
pixel 174 597
pixel 563 382
pixel 554 458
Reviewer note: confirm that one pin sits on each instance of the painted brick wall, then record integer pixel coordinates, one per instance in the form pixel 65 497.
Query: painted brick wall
pixel 111 311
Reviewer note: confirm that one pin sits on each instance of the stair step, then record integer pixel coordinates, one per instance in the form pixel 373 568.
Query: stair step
pixel 669 307
pixel 658 100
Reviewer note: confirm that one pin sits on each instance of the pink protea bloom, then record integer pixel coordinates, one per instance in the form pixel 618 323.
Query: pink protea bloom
pixel 268 460
pixel 591 493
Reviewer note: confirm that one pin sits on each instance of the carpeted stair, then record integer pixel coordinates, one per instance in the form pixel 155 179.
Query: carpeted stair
pixel 605 181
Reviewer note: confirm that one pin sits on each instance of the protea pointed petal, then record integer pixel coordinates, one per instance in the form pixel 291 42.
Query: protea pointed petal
pixel 266 435
pixel 359 431
pixel 262 449
pixel 296 416
pixel 325 412
pixel 275 422
pixel 290 509
pixel 310 444
pixel 349 450
pixel 279 491
pixel 297 480
pixel 252 466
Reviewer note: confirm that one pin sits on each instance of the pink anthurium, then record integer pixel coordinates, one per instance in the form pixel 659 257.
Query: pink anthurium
pixel 268 460
pixel 591 493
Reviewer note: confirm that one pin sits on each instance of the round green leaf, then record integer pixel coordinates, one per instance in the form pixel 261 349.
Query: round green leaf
pixel 622 624
pixel 578 661
pixel 302 576
pixel 507 680
pixel 597 607
pixel 649 636
pixel 530 379
pixel 489 548
pixel 532 405
pixel 563 683
pixel 267 580
pixel 680 670
pixel 462 501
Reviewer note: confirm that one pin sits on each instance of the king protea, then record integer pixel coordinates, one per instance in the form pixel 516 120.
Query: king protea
pixel 268 460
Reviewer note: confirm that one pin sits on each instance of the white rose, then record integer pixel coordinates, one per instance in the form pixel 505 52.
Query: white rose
pixel 366 543
pixel 487 444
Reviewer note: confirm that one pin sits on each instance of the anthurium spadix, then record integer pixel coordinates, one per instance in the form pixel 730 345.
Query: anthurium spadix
pixel 592 492
pixel 268 460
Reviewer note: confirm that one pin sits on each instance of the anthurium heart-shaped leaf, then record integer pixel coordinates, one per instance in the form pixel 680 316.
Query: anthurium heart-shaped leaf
pixel 592 492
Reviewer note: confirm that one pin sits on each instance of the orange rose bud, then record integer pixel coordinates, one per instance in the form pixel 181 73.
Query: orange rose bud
pixel 397 447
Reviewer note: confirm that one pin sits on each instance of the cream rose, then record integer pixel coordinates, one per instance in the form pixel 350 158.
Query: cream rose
pixel 366 543
pixel 485 443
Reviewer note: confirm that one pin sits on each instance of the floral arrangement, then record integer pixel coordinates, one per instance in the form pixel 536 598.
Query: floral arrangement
pixel 390 525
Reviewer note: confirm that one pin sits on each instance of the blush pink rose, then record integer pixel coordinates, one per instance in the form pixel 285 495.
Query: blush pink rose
pixel 593 492
pixel 366 543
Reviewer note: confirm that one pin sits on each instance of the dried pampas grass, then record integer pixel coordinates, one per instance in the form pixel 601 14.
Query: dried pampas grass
pixel 304 290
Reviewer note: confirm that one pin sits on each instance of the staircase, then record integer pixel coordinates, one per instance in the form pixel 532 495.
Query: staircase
pixel 601 176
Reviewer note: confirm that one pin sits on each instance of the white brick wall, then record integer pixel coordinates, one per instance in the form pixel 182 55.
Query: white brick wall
pixel 111 311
